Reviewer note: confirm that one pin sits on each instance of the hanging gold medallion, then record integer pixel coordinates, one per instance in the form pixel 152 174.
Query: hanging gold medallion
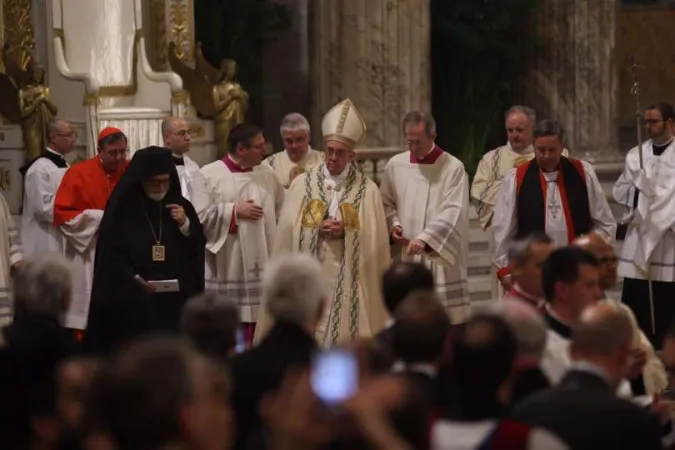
pixel 158 253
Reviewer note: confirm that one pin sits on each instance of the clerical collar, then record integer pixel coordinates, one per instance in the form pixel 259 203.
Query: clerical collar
pixel 658 149
pixel 430 158
pixel 234 167
pixel 178 159
pixel 339 178
pixel 556 323
pixel 537 302
pixel 60 155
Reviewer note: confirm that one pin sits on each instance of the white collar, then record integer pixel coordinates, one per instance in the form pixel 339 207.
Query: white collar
pixel 339 178
pixel 56 153
pixel 536 300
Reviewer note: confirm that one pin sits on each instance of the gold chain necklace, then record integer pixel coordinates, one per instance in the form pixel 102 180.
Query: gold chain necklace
pixel 158 250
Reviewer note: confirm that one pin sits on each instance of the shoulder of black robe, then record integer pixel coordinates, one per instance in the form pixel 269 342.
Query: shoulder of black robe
pixel 56 159
pixel 145 163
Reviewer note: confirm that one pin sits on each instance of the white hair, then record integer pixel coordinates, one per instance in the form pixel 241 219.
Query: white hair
pixel 525 322
pixel 294 289
pixel 294 122
pixel 42 284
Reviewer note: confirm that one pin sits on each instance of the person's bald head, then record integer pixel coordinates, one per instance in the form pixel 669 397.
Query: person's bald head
pixel 604 336
pixel 603 251
pixel 176 134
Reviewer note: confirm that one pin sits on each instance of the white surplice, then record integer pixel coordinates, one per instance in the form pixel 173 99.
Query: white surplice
pixel 187 174
pixel 283 165
pixel 430 202
pixel 11 253
pixel 80 236
pixel 37 230
pixel 650 239
pixel 235 262
pixel 505 219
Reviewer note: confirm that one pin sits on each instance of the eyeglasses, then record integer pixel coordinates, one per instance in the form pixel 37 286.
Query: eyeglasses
pixel 184 133
pixel 72 135
pixel 340 153
pixel 652 121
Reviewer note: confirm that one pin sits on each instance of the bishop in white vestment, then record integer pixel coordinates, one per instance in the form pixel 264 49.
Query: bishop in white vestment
pixel 335 212
pixel 41 178
pixel 648 252
pixel 177 135
pixel 298 156
pixel 558 195
pixel 238 203
pixel 425 192
pixel 11 255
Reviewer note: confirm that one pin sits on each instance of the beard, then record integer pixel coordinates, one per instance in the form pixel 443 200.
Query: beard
pixel 156 196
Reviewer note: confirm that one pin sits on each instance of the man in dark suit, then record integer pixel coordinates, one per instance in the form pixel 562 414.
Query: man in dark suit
pixel 583 409
pixel 399 280
pixel 294 295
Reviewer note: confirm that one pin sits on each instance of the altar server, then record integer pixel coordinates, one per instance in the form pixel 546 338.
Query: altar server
pixel 177 135
pixel 554 194
pixel 298 156
pixel 42 177
pixel 238 202
pixel 78 209
pixel 425 192
pixel 648 253
pixel 335 212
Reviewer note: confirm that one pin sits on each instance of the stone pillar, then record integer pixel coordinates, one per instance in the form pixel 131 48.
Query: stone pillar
pixel 573 75
pixel 377 53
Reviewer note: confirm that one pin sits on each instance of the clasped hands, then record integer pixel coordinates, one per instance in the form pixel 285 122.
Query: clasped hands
pixel 332 229
pixel 414 247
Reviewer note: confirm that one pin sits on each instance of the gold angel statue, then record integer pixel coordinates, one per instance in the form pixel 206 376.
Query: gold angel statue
pixel 214 93
pixel 24 99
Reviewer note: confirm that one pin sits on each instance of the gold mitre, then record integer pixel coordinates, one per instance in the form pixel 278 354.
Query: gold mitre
pixel 343 123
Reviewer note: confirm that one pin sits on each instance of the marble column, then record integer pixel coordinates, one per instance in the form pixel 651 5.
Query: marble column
pixel 377 53
pixel 573 76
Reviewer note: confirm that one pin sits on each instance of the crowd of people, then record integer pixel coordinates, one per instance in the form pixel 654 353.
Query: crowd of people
pixel 291 302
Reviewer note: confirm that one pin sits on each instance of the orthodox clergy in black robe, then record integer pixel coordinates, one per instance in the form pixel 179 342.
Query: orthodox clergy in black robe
pixel 140 242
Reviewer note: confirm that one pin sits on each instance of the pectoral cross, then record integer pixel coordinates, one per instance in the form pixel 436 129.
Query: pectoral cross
pixel 554 207
pixel 256 270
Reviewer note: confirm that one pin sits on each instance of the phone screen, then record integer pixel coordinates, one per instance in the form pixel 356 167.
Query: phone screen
pixel 335 376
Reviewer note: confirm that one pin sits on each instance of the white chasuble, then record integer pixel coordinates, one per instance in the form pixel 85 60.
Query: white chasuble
pixel 187 173
pixel 11 253
pixel 80 237
pixel 282 164
pixel 38 232
pixel 236 256
pixel 353 264
pixel 430 202
pixel 505 219
pixel 650 239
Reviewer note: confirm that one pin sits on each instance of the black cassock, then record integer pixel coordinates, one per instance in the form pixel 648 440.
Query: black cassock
pixel 133 229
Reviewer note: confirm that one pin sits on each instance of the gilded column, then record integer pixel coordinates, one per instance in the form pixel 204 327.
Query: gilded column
pixel 375 52
pixel 169 21
pixel 574 76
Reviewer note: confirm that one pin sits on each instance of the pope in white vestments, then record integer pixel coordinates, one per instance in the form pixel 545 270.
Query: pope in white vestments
pixel 560 196
pixel 425 192
pixel 11 255
pixel 298 156
pixel 238 202
pixel 648 252
pixel 335 212
pixel 177 136
pixel 42 177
